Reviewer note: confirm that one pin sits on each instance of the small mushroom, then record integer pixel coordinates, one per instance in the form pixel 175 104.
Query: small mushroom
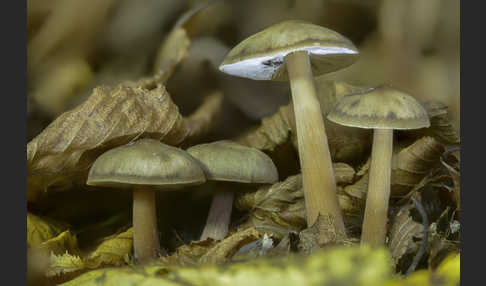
pixel 382 109
pixel 297 51
pixel 228 161
pixel 145 166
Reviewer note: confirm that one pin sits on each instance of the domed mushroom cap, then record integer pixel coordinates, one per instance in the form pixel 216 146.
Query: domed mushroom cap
pixel 145 162
pixel 379 107
pixel 261 56
pixel 228 161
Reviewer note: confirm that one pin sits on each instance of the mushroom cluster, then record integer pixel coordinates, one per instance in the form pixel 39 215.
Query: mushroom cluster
pixel 293 51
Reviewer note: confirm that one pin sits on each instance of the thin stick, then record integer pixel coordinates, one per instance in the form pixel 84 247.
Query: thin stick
pixel 217 223
pixel 315 159
pixel 376 210
pixel 145 234
pixel 423 244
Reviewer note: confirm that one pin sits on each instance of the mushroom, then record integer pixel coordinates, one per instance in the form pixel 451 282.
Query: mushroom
pixel 382 109
pixel 145 166
pixel 227 161
pixel 297 51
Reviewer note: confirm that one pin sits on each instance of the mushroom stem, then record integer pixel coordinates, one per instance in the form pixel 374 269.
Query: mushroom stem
pixel 376 210
pixel 145 234
pixel 217 223
pixel 315 159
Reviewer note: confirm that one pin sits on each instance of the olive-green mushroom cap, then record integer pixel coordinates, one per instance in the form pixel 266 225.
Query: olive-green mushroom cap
pixel 228 161
pixel 145 162
pixel 261 56
pixel 379 107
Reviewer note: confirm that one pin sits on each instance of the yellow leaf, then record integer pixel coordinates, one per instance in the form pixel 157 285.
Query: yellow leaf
pixel 41 229
pixel 114 250
pixel 65 241
pixel 63 264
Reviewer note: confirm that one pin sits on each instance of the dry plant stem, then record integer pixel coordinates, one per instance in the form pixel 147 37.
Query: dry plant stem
pixel 219 216
pixel 315 159
pixel 145 234
pixel 376 210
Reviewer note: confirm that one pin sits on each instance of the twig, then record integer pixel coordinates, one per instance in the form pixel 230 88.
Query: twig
pixel 421 251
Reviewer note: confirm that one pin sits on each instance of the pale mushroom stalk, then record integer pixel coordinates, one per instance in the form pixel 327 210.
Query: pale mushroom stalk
pixel 382 109
pixel 145 232
pixel 296 51
pixel 375 217
pixel 315 159
pixel 144 167
pixel 224 162
pixel 219 217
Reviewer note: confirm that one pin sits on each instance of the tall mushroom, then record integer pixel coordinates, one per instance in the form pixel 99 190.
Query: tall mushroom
pixel 227 161
pixel 383 109
pixel 297 51
pixel 145 166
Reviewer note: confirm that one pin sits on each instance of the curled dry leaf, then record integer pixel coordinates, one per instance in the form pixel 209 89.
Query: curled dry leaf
pixel 225 249
pixel 282 204
pixel 110 117
pixel 172 51
pixel 409 166
pixel 175 46
pixel 346 144
pixel 441 127
pixel 360 266
pixel 402 232
pixel 188 254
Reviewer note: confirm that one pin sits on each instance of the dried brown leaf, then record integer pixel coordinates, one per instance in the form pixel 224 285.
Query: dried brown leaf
pixel 441 127
pixel 188 254
pixel 346 144
pixel 225 249
pixel 409 166
pixel 171 53
pixel 175 46
pixel 111 116
pixel 402 232
pixel 282 204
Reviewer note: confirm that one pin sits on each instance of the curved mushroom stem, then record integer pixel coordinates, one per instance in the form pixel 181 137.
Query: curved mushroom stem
pixel 145 233
pixel 217 223
pixel 376 210
pixel 315 159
